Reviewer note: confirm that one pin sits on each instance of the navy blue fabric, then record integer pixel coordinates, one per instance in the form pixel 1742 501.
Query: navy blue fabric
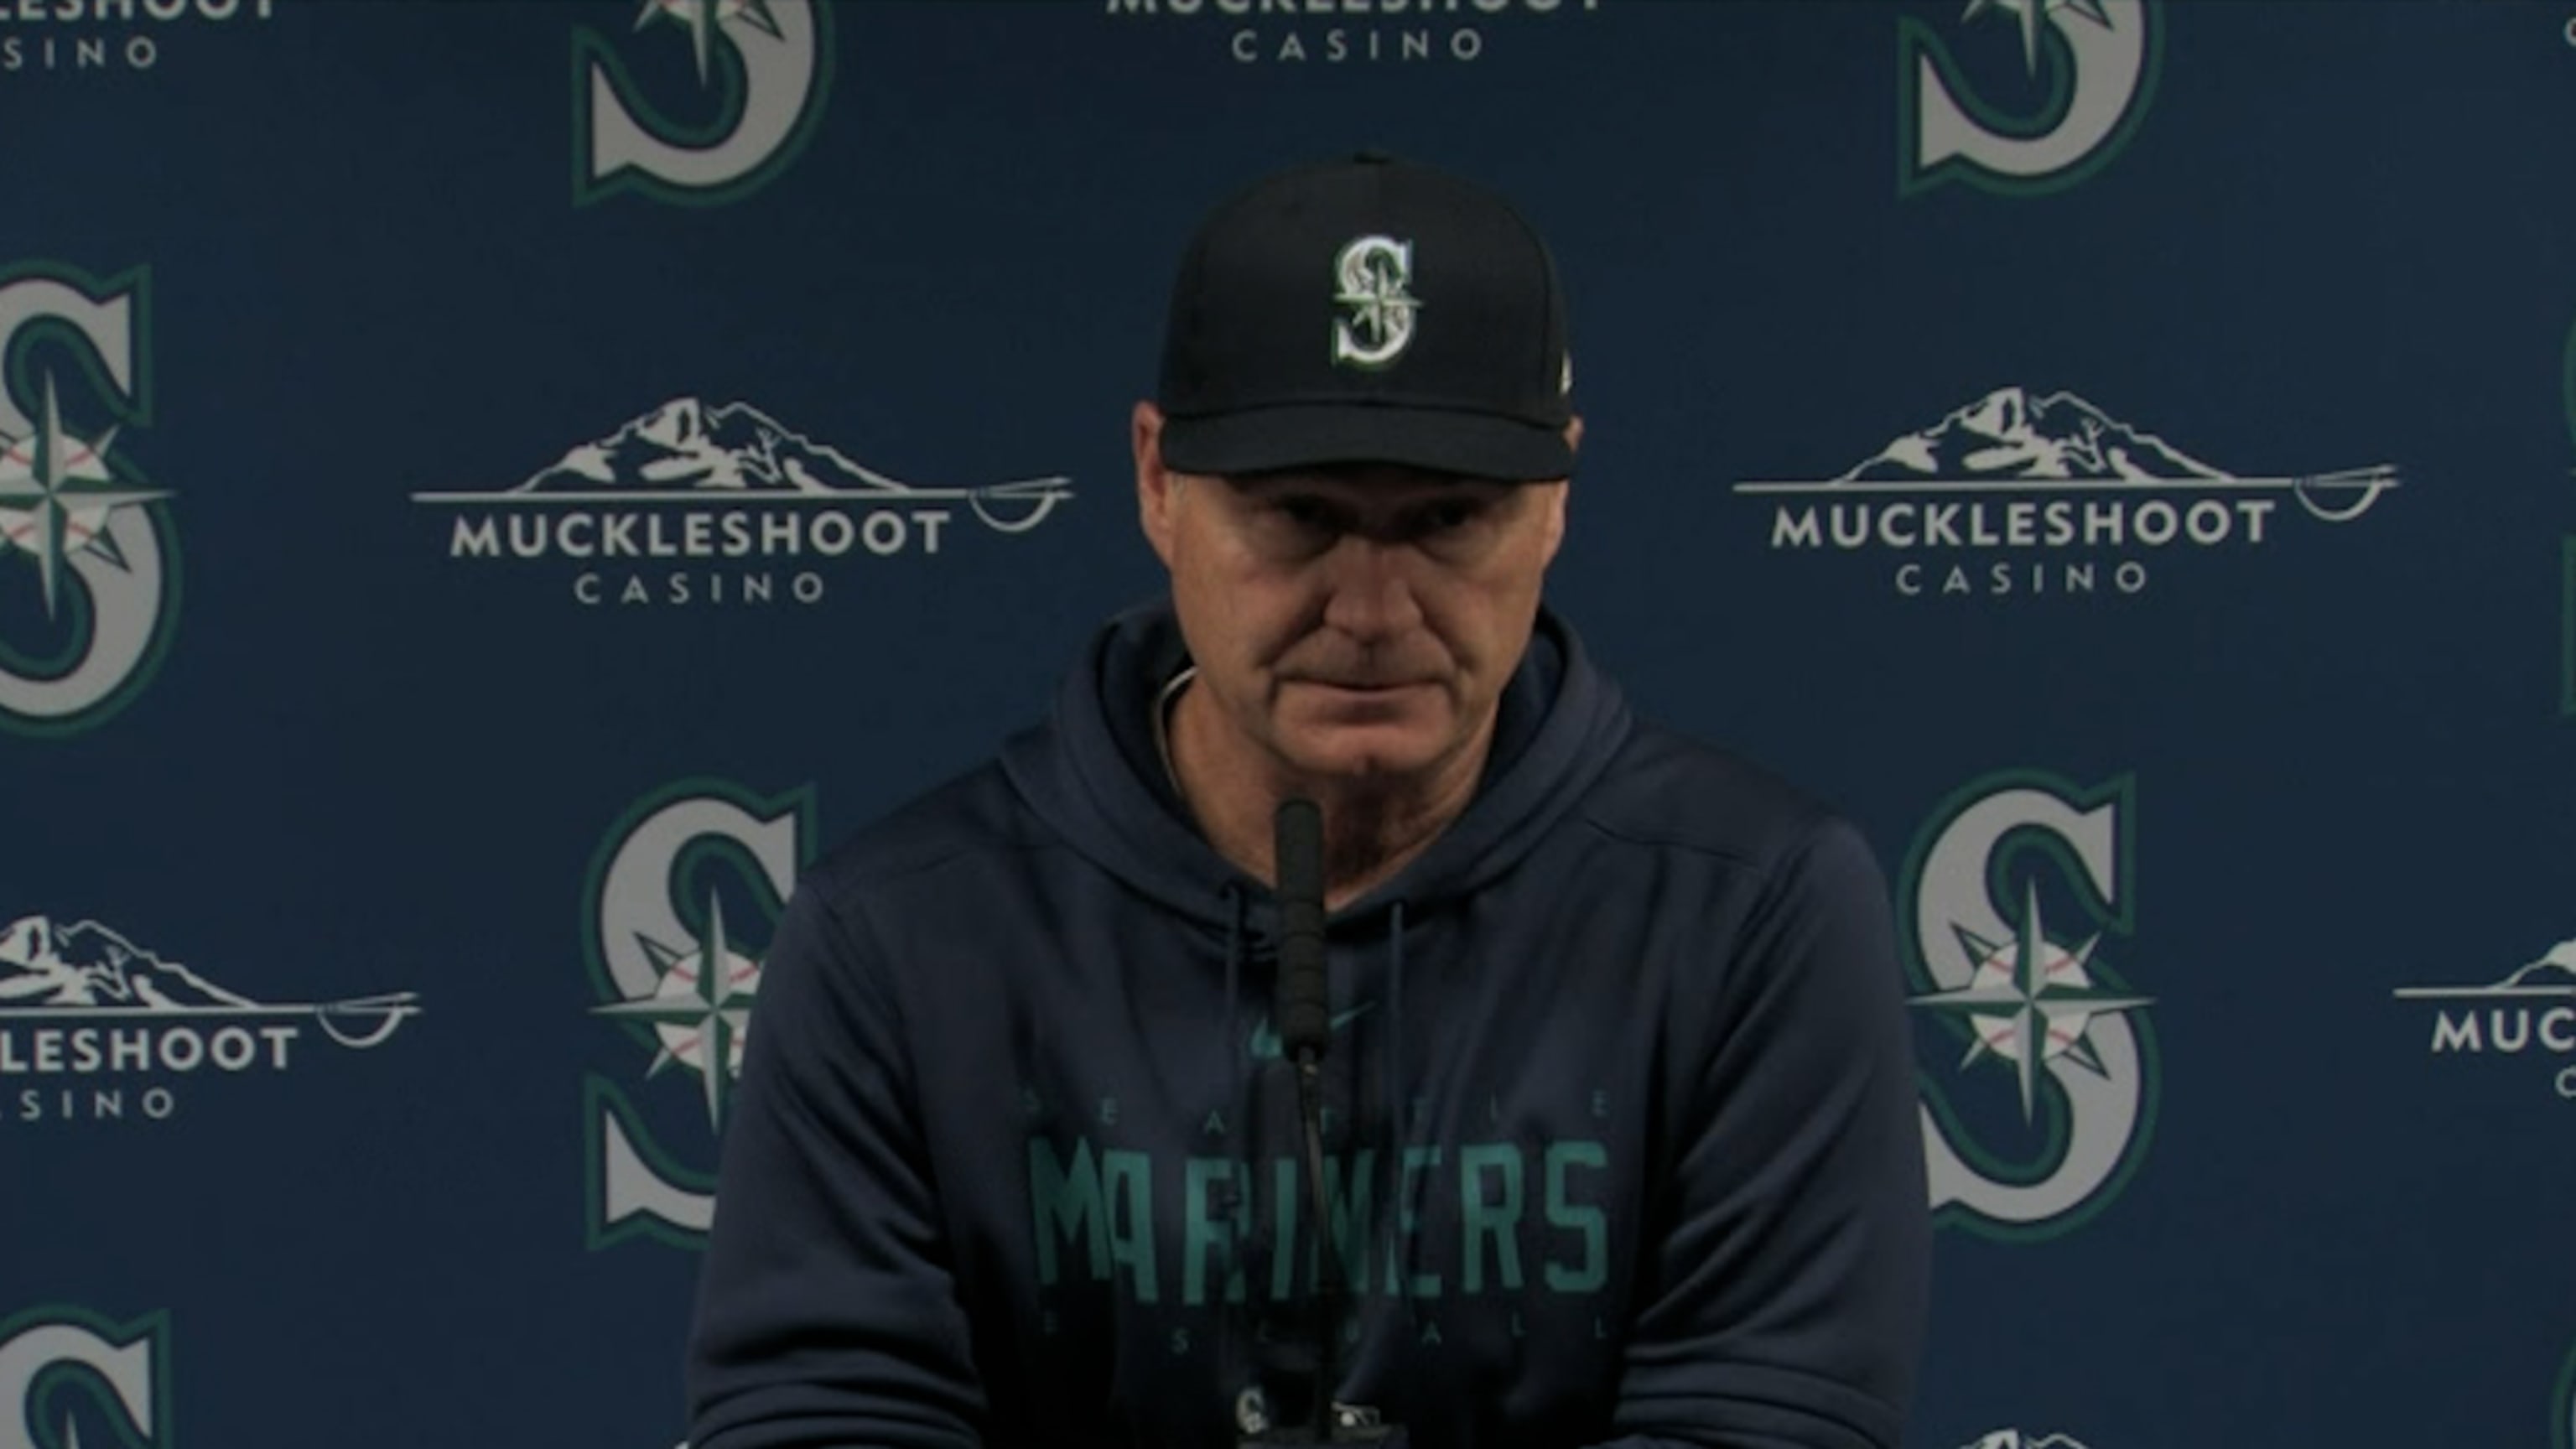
pixel 1620 1062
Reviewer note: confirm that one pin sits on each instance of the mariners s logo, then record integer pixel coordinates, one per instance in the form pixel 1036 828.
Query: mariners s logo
pixel 89 562
pixel 1373 274
pixel 2562 1418
pixel 768 64
pixel 63 1367
pixel 680 890
pixel 2045 1106
pixel 2094 61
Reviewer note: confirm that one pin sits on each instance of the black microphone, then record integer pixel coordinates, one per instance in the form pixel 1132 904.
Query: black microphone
pixel 1303 1006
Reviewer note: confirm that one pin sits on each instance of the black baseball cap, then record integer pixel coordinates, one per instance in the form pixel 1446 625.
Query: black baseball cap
pixel 1367 311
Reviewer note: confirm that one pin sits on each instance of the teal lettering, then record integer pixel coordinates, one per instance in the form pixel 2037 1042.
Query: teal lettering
pixel 1109 1111
pixel 1431 1335
pixel 1485 1217
pixel 1601 1104
pixel 1066 1196
pixel 1128 1180
pixel 1205 1234
pixel 1180 1341
pixel 1589 1272
pixel 1409 1223
pixel 1215 1125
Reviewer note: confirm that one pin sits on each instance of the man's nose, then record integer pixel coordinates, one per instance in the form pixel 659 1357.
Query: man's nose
pixel 1371 587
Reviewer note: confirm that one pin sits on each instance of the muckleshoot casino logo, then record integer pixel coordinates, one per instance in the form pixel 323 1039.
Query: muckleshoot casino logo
pixel 2032 118
pixel 705 122
pixel 679 905
pixel 64 1367
pixel 1350 32
pixel 95 1028
pixel 89 560
pixel 44 38
pixel 693 505
pixel 2042 1111
pixel 2024 495
pixel 2528 1010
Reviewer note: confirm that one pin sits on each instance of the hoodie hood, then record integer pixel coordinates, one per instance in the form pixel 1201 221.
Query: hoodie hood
pixel 1091 771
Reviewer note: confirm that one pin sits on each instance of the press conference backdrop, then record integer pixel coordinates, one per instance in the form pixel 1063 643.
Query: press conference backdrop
pixel 491 489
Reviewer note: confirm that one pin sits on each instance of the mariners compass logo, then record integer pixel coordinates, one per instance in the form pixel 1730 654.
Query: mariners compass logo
pixel 676 971
pixel 764 65
pixel 62 1367
pixel 89 578
pixel 2090 66
pixel 2049 1103
pixel 2022 494
pixel 692 504
pixel 86 1016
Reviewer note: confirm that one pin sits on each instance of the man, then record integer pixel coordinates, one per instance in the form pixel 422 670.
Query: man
pixel 1618 1128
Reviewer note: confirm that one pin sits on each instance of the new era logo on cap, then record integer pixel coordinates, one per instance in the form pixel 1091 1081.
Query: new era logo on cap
pixel 1367 311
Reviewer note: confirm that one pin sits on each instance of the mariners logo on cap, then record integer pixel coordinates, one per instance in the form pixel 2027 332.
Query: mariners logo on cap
pixel 1373 272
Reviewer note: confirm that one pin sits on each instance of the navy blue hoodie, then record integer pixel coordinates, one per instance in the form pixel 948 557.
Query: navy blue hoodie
pixel 1621 1126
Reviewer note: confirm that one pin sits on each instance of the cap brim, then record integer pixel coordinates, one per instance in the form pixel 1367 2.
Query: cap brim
pixel 1259 440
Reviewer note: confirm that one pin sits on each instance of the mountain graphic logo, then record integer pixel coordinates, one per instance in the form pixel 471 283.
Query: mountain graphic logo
pixel 686 451
pixel 2528 1011
pixel 1265 1037
pixel 2024 494
pixel 88 972
pixel 2017 1439
pixel 2018 440
pixel 2552 976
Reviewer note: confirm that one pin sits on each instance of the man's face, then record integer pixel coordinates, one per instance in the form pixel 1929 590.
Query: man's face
pixel 1351 623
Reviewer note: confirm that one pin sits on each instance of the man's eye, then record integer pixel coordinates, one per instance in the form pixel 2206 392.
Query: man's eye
pixel 1304 512
pixel 1441 520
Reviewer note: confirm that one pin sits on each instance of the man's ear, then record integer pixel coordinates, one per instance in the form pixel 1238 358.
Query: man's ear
pixel 1157 487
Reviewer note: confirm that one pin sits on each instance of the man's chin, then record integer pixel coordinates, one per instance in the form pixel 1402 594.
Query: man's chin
pixel 1370 756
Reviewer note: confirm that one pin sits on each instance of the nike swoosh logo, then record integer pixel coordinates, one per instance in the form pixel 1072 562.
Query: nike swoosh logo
pixel 1265 1037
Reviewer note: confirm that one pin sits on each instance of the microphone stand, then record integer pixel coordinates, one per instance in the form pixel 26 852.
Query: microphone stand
pixel 1304 1012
